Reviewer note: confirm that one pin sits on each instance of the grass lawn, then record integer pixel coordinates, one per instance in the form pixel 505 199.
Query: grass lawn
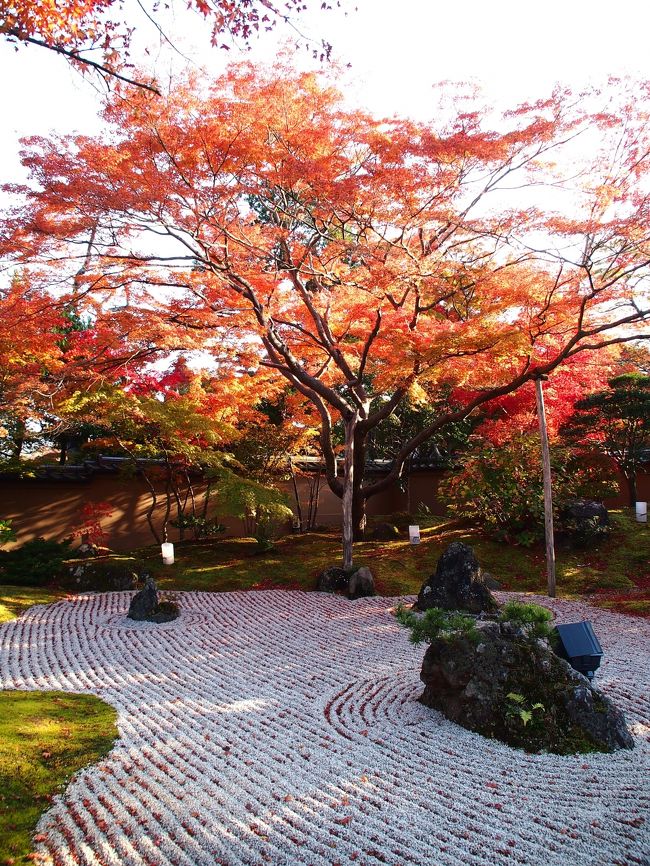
pixel 618 569
pixel 45 737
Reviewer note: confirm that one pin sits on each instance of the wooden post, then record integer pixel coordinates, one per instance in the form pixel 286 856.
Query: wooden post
pixel 297 496
pixel 548 490
pixel 348 492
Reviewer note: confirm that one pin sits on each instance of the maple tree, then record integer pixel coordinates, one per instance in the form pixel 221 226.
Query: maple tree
pixel 89 528
pixel 51 347
pixel 97 34
pixel 366 261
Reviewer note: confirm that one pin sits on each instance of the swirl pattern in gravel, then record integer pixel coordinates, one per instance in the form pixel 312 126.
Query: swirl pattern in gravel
pixel 284 728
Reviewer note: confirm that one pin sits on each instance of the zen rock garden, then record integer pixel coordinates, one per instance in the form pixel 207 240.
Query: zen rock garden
pixel 287 727
pixel 495 670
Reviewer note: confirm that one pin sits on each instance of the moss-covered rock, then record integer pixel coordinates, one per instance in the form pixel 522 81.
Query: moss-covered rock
pixel 457 583
pixel 148 607
pixel 511 686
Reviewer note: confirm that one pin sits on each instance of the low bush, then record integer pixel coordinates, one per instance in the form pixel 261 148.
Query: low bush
pixel 535 616
pixel 36 563
pixel 7 533
pixel 436 623
pixel 103 574
pixel 502 488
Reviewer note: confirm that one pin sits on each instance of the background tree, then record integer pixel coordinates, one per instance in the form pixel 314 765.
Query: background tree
pixel 272 433
pixel 502 488
pixel 166 442
pixel 616 420
pixel 356 257
pixel 175 428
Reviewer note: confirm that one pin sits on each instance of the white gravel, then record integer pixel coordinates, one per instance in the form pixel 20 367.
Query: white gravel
pixel 283 728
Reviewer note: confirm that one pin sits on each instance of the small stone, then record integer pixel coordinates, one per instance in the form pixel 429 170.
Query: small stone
pixel 489 580
pixel 385 532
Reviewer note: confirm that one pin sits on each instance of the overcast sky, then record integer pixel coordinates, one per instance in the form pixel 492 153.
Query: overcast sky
pixel 397 49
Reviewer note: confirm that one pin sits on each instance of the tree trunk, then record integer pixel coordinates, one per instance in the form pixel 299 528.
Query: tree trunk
pixel 630 480
pixel 358 498
pixel 19 440
pixel 348 491
pixel 152 508
pixel 296 496
pixel 548 490
pixel 168 505
pixel 312 506
pixel 358 512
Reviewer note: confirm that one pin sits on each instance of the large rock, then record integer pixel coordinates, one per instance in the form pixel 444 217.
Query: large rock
pixel 584 520
pixel 587 509
pixel 457 583
pixel 144 603
pixel 361 583
pixel 507 685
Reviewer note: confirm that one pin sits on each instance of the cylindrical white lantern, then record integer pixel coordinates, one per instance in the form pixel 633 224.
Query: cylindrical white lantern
pixel 414 534
pixel 167 553
pixel 642 512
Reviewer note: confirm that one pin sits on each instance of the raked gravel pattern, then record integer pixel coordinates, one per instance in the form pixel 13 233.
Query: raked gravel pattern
pixel 283 728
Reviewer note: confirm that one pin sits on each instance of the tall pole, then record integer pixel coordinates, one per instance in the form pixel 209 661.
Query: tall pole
pixel 548 491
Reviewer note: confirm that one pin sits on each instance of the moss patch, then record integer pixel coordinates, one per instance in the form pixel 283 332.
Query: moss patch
pixel 399 567
pixel 45 737
pixel 16 599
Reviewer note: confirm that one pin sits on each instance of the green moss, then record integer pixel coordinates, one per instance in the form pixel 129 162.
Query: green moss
pixel 45 737
pixel 16 599
pixel 633 607
pixel 399 567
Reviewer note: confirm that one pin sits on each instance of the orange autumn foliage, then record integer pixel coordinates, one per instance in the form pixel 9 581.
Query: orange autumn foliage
pixel 97 34
pixel 31 359
pixel 359 259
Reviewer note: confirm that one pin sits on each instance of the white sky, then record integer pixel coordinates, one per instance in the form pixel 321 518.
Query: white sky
pixel 397 48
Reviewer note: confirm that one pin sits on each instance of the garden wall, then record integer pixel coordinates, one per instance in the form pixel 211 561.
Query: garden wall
pixel 50 508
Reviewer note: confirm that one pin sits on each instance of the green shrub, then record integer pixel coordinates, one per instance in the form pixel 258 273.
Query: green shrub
pixel 436 623
pixel 502 488
pixel 114 573
pixel 7 534
pixel 533 615
pixel 35 563
pixel 201 527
